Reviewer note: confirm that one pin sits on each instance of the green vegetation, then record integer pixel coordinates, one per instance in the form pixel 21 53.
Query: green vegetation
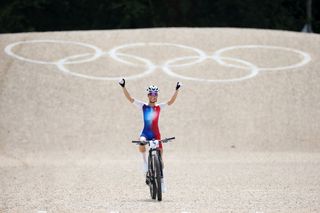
pixel 57 15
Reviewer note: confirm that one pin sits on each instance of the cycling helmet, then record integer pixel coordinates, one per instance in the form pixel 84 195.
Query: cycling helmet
pixel 153 89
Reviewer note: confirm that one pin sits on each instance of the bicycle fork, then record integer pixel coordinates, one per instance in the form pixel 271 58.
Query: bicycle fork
pixel 151 169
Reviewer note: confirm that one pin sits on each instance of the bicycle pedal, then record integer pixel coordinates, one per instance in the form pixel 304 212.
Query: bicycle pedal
pixel 147 182
pixel 147 179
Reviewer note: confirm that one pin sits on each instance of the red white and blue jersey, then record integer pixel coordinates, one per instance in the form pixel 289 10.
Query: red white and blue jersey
pixel 151 118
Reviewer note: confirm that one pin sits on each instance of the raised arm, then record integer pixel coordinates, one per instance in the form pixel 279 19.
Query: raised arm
pixel 122 83
pixel 174 97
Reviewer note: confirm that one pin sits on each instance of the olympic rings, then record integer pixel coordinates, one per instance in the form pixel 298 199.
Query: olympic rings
pixel 168 66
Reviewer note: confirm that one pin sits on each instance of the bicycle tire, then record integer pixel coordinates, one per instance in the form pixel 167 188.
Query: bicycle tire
pixel 152 184
pixel 157 170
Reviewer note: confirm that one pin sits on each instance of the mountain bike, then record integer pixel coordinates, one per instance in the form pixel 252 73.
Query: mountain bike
pixel 155 166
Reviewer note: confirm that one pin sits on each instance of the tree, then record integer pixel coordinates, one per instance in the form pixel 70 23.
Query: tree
pixel 51 15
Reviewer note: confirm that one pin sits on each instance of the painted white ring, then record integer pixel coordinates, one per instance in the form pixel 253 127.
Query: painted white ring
pixel 114 52
pixel 306 58
pixel 61 65
pixel 253 71
pixel 199 58
pixel 97 54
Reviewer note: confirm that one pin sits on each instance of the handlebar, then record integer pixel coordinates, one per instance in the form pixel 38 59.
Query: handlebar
pixel 166 140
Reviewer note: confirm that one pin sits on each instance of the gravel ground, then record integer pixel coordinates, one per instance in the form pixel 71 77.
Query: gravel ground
pixel 245 182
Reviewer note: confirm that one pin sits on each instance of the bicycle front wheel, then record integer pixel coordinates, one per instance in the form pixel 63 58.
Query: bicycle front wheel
pixel 157 169
pixel 152 182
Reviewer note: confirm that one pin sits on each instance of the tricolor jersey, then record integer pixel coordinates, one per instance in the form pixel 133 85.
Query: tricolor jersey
pixel 150 118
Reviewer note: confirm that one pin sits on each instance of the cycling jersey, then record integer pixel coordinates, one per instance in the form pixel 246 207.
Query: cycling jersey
pixel 150 117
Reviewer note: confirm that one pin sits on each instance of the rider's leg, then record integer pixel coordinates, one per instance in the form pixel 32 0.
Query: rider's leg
pixel 142 150
pixel 163 186
pixel 161 153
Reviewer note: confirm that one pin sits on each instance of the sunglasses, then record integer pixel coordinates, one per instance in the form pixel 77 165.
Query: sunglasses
pixel 153 94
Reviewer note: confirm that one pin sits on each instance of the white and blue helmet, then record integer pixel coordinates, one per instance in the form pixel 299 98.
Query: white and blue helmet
pixel 153 89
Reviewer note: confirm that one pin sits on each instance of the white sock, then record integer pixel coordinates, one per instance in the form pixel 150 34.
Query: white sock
pixel 162 180
pixel 163 186
pixel 145 163
pixel 144 157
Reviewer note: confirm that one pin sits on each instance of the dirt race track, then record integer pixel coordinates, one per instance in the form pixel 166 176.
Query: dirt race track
pixel 246 122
